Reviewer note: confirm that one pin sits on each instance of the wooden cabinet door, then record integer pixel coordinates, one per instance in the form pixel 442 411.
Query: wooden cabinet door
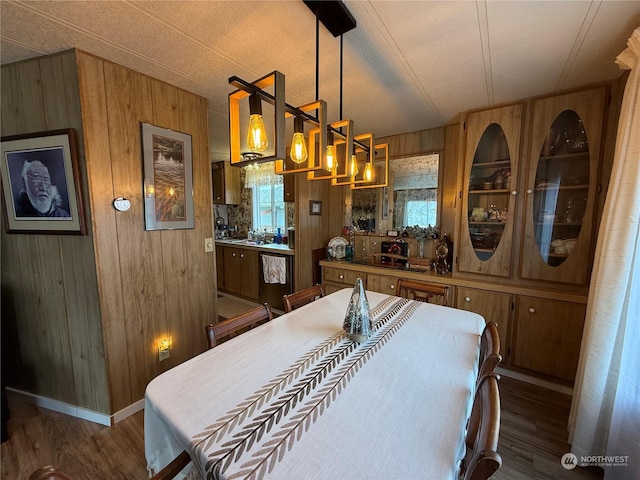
pixel 561 187
pixel 232 270
pixel 289 188
pixel 493 139
pixel 382 284
pixel 217 180
pixel 220 267
pixel 493 306
pixel 547 336
pixel 250 273
pixel 226 183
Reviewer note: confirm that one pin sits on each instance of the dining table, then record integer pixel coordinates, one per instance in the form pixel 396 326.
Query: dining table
pixel 296 398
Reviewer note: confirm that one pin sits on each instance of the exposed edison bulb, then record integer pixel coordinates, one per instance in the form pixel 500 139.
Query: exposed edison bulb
pixel 331 159
pixel 257 135
pixel 368 172
pixel 354 166
pixel 298 145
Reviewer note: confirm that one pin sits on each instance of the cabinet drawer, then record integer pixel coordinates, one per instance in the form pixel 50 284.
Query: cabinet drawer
pixel 382 284
pixel 342 276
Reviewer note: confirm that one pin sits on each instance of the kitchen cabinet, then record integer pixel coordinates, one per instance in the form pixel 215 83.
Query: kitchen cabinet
pixel 562 185
pixel 289 187
pixel 220 267
pixel 226 183
pixel 241 272
pixel 491 159
pixel 494 307
pixel 547 336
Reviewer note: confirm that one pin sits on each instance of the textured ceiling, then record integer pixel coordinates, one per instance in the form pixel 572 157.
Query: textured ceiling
pixel 408 65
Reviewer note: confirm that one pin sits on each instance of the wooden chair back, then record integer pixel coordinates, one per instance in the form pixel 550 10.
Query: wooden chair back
pixel 490 356
pixel 171 470
pixel 240 323
pixel 423 292
pixel 483 429
pixel 302 297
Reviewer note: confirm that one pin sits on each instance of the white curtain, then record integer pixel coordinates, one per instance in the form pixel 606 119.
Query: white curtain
pixel 260 174
pixel 605 413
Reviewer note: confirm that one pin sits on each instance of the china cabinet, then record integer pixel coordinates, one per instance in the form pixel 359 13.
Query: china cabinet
pixel 562 183
pixel 489 195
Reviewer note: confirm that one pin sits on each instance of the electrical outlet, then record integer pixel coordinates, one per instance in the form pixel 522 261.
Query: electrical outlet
pixel 208 245
pixel 163 354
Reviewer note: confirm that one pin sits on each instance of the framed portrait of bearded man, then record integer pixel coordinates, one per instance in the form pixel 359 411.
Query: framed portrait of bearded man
pixel 41 183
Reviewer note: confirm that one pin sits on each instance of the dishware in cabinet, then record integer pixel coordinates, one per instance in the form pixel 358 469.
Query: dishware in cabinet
pixel 561 186
pixel 489 193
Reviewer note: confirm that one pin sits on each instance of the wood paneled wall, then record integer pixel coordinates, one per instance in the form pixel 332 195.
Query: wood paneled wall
pixel 84 313
pixel 151 283
pixel 51 326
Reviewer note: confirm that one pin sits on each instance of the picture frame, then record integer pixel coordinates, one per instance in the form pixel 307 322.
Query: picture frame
pixel 41 188
pixel 392 233
pixel 315 207
pixel 168 178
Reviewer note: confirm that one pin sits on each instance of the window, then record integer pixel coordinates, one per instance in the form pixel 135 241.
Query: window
pixel 268 207
pixel 422 212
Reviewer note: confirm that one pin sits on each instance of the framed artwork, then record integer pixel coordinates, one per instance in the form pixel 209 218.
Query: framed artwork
pixel 41 183
pixel 315 207
pixel 168 179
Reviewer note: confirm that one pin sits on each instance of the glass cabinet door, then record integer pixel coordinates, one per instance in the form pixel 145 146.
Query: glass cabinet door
pixel 564 156
pixel 493 147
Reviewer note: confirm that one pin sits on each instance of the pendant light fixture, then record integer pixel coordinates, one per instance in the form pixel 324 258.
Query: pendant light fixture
pixel 298 151
pixel 257 141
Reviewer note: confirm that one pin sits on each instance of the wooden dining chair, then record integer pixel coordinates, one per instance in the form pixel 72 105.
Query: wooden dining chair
pixel 240 323
pixel 176 465
pixel 483 430
pixel 423 292
pixel 302 297
pixel 490 356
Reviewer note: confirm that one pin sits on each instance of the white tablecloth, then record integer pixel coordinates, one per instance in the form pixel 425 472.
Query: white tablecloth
pixel 296 399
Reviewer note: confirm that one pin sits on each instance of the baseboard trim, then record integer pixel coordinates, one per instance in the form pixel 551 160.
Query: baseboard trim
pixel 79 412
pixel 535 381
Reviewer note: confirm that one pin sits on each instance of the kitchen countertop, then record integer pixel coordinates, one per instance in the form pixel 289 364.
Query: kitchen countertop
pixel 265 247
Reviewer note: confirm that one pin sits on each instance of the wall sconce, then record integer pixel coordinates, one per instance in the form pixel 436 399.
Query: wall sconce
pixel 164 345
pixel 342 144
pixel 381 167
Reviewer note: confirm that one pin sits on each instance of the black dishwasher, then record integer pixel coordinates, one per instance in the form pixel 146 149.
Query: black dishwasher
pixel 271 288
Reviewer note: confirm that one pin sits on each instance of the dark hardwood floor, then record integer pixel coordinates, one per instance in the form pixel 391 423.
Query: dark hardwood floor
pixel 532 439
